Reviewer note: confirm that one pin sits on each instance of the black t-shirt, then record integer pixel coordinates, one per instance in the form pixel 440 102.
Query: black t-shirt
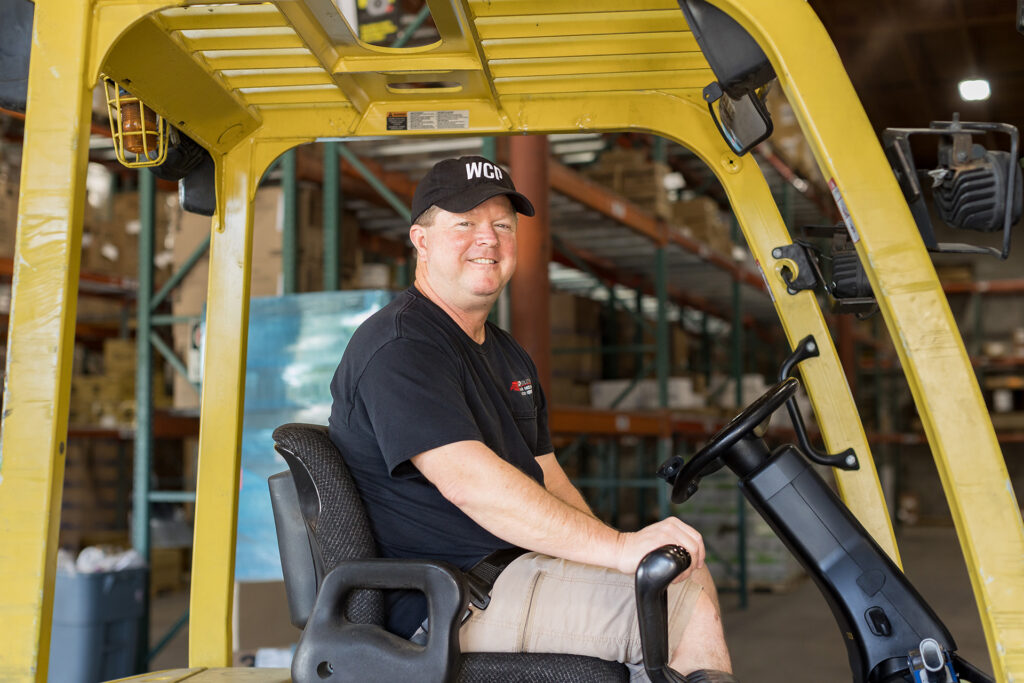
pixel 411 380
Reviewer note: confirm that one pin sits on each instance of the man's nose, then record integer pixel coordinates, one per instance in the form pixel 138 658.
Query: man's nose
pixel 486 234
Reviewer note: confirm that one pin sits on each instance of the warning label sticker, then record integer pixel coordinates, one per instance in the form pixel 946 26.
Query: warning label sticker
pixel 843 211
pixel 457 119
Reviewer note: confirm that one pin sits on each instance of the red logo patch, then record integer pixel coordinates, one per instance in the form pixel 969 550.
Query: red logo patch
pixel 523 386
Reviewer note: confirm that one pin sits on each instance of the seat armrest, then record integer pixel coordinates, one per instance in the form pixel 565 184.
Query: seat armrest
pixel 333 645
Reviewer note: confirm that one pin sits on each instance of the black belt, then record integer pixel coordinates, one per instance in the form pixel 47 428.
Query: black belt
pixel 480 580
pixel 481 577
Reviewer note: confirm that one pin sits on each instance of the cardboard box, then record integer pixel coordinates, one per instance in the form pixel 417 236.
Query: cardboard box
pixel 261 618
pixel 578 364
pixel 119 356
pixel 95 497
pixel 702 219
pixel 166 569
pixel 569 392
pixel 632 175
pixel 110 236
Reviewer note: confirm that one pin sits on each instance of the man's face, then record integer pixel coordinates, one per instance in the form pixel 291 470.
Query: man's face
pixel 469 257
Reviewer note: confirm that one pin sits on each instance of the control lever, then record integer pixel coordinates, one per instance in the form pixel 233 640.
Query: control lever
pixel 929 663
pixel 847 460
pixel 655 572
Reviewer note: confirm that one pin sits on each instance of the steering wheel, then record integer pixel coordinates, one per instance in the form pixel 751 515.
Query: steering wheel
pixel 709 458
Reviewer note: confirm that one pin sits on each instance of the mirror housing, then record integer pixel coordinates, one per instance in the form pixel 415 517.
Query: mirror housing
pixel 743 122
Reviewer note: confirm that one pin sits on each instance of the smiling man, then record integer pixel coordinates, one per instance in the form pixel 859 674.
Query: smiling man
pixel 443 423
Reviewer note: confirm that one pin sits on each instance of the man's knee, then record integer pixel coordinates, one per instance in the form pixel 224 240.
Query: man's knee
pixel 703 578
pixel 702 645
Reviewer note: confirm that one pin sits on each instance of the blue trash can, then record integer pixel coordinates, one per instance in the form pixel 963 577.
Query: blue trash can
pixel 96 625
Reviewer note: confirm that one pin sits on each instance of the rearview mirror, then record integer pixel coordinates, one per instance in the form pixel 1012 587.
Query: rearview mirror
pixel 743 123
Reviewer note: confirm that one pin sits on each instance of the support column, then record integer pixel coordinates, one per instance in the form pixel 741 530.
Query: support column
pixel 41 332
pixel 143 394
pixel 530 289
pixel 223 398
pixel 289 232
pixel 332 216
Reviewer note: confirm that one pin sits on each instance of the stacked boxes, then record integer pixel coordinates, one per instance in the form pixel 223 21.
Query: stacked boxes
pixel 106 396
pixel 575 324
pixel 107 399
pixel 97 476
pixel 110 236
pixel 631 174
pixel 703 220
pixel 644 396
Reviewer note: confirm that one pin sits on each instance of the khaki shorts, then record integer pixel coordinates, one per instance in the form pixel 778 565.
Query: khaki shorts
pixel 546 604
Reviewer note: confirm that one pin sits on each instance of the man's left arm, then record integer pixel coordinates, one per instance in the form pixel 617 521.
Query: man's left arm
pixel 557 483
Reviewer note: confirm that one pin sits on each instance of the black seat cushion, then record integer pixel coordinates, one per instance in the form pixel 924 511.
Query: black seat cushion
pixel 494 667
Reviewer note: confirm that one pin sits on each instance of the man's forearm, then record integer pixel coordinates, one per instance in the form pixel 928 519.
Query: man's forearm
pixel 570 495
pixel 558 484
pixel 514 507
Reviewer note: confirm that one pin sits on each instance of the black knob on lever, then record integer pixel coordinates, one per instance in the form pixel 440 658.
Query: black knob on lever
pixel 655 572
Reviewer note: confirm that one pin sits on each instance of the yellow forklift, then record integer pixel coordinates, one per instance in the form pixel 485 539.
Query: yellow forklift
pixel 247 81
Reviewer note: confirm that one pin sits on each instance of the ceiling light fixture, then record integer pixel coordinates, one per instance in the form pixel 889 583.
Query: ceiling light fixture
pixel 974 89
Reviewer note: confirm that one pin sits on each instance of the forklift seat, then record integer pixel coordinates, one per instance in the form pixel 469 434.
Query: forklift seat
pixel 334 581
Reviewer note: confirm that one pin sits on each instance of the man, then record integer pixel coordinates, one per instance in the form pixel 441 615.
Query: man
pixel 443 423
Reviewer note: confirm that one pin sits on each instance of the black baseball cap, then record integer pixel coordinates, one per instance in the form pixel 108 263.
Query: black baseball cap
pixel 458 185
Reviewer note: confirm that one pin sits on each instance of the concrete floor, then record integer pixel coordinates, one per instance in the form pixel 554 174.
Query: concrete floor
pixel 779 638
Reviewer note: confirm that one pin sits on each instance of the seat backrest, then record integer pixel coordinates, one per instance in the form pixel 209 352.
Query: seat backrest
pixel 297 562
pixel 336 523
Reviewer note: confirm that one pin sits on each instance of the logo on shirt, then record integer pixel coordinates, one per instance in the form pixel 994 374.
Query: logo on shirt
pixel 523 386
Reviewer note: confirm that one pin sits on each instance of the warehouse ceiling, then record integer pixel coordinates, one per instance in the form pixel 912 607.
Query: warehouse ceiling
pixel 906 57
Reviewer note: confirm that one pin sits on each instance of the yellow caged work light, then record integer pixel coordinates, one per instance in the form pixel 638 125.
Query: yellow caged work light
pixel 139 133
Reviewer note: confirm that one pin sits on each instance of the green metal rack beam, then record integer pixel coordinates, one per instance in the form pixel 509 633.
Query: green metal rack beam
pixel 332 215
pixel 289 230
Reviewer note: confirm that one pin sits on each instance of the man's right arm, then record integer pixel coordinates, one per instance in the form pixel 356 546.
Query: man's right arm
pixel 514 507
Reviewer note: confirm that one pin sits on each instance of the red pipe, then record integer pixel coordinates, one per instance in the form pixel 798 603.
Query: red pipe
pixel 529 289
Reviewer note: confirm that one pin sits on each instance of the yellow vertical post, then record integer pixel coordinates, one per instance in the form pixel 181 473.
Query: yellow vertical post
pixel 220 429
pixel 941 378
pixel 223 399
pixel 42 330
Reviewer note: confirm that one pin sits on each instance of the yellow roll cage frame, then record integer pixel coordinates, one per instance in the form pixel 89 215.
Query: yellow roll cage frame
pixel 252 80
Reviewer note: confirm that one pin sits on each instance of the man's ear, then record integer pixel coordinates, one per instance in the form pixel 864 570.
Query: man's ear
pixel 418 237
